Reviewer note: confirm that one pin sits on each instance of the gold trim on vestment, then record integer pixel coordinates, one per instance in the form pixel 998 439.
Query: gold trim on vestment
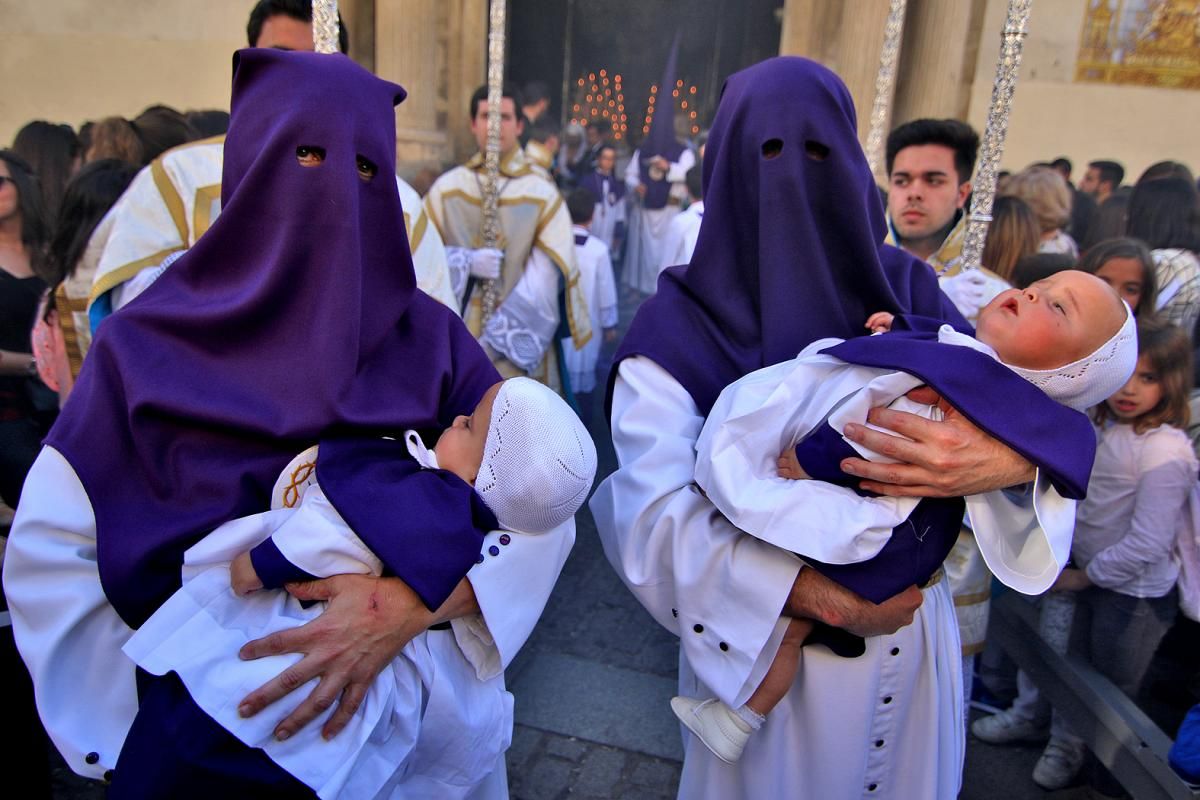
pixel 112 280
pixel 202 213
pixel 67 307
pixel 171 198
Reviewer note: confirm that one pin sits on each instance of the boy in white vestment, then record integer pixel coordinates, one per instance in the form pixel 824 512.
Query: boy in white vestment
pixel 596 278
pixel 680 241
pixel 1068 335
pixel 528 463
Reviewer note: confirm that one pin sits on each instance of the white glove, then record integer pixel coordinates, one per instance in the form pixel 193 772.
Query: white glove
pixel 486 262
pixel 969 290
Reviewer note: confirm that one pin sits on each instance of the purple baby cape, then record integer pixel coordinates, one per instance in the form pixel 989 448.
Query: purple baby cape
pixel 294 318
pixel 1057 439
pixel 790 249
pixel 426 525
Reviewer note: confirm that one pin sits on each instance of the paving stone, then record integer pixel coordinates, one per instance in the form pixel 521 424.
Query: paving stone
pixel 600 773
pixel 567 747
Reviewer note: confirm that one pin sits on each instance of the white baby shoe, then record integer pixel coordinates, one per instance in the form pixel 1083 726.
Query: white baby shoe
pixel 715 724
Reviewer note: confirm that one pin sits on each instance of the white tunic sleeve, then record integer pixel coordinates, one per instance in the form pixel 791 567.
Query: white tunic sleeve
pixel 719 590
pixel 633 170
pixel 512 583
pixel 677 172
pixel 524 324
pixel 68 634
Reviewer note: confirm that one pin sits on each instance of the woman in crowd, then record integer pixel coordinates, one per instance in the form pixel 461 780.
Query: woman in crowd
pixel 1165 215
pixel 1050 198
pixel 22 252
pixel 90 194
pixel 114 137
pixel 53 152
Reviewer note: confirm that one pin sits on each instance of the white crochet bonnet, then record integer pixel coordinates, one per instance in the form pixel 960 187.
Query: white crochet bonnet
pixel 1095 377
pixel 538 460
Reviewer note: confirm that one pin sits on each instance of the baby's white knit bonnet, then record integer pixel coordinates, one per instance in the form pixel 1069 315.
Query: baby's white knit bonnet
pixel 1095 377
pixel 538 461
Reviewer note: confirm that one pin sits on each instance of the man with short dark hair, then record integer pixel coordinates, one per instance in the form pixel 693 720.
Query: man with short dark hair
pixel 536 253
pixel 1083 205
pixel 536 102
pixel 1102 179
pixel 287 25
pixel 929 166
pixel 542 146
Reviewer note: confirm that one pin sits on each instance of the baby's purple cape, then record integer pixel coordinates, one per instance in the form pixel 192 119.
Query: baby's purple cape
pixel 791 247
pixel 294 318
pixel 1057 439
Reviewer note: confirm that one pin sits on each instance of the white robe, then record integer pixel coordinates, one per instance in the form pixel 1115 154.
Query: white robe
pixel 886 724
pixel 199 630
pixel 648 227
pixel 71 638
pixel 680 241
pixel 608 213
pixel 596 278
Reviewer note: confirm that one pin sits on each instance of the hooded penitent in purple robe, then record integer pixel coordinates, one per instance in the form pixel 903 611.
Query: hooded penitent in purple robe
pixel 294 319
pixel 660 140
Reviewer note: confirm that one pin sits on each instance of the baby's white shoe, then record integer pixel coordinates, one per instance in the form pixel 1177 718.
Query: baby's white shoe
pixel 715 724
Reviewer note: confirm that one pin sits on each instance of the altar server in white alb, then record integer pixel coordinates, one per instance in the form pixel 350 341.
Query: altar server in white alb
pixel 535 261
pixel 680 241
pixel 783 175
pixel 596 277
pixel 608 192
pixel 655 176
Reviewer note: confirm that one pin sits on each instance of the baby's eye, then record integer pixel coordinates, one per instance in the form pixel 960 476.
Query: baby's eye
pixel 366 168
pixel 310 155
pixel 1059 308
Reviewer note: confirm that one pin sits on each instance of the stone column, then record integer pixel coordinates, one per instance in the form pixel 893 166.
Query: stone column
pixel 407 37
pixel 844 35
pixel 937 58
pixel 359 17
pixel 466 70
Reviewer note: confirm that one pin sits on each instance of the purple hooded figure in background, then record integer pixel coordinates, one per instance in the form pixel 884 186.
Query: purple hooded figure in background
pixel 294 319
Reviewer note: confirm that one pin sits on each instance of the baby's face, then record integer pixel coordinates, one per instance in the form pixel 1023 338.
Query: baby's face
pixel 460 447
pixel 1053 322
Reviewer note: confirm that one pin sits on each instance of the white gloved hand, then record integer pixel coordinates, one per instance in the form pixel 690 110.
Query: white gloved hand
pixel 486 262
pixel 968 290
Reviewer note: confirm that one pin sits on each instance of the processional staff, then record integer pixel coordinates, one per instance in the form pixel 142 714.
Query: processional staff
pixel 885 82
pixel 984 187
pixel 491 155
pixel 325 26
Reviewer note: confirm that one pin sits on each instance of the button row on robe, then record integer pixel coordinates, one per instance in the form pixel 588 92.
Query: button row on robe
pixel 505 539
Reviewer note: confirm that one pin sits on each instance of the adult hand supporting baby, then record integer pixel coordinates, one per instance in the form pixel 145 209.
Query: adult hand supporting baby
pixel 367 623
pixel 951 458
pixel 815 596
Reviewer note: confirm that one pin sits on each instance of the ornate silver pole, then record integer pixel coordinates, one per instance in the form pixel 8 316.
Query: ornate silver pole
pixel 885 82
pixel 325 26
pixel 491 155
pixel 984 187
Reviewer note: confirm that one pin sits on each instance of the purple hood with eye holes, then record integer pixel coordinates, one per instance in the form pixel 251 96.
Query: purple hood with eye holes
pixel 295 317
pixel 791 248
